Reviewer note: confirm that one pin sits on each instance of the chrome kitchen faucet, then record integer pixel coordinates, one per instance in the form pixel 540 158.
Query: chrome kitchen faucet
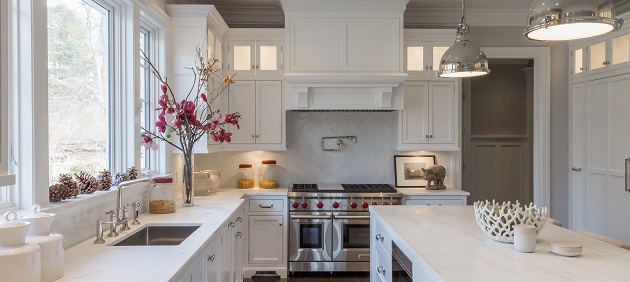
pixel 119 216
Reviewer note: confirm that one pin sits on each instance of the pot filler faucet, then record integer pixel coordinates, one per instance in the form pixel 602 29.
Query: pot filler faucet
pixel 119 216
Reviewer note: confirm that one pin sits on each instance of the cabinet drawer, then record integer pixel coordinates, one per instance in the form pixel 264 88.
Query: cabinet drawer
pixel 382 238
pixel 266 205
pixel 435 202
pixel 382 266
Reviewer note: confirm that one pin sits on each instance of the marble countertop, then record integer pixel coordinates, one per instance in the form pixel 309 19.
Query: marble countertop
pixel 425 192
pixel 93 262
pixel 448 245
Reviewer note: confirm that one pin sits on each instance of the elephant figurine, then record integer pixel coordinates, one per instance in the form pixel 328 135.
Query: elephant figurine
pixel 435 174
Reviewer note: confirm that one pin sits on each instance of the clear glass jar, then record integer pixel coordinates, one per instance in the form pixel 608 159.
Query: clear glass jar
pixel 267 176
pixel 162 196
pixel 245 176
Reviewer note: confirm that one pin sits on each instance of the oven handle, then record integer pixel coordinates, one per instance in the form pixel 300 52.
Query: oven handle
pixel 311 216
pixel 351 217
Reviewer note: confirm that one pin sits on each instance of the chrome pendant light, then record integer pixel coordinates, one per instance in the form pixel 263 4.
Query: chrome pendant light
pixel 463 59
pixel 557 20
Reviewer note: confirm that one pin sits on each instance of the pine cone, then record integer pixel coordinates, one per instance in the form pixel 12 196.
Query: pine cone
pixel 132 173
pixel 57 192
pixel 73 189
pixel 87 183
pixel 120 177
pixel 104 180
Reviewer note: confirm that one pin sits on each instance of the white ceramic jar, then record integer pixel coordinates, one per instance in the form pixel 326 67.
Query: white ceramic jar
pixel 12 231
pixel 525 238
pixel 40 222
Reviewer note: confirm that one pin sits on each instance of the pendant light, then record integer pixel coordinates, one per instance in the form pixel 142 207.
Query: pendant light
pixel 463 59
pixel 556 20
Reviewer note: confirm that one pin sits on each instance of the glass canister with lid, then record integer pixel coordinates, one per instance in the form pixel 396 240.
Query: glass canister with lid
pixel 268 176
pixel 245 176
pixel 162 196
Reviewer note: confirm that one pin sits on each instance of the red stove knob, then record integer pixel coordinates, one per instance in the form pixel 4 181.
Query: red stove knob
pixel 385 204
pixel 304 205
pixel 320 205
pixel 295 205
pixel 353 205
pixel 335 205
pixel 394 204
pixel 374 203
pixel 364 205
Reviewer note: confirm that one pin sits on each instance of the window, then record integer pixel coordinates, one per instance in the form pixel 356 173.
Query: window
pixel 79 87
pixel 145 94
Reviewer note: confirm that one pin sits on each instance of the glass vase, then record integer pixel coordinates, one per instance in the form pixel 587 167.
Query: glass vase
pixel 188 193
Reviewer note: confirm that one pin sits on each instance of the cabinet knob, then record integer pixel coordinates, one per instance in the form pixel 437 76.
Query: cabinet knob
pixel 253 67
pixel 381 270
pixel 379 237
pixel 257 67
pixel 576 169
pixel 430 135
pixel 239 219
pixel 232 224
pixel 426 136
pixel 280 223
pixel 239 234
pixel 606 63
pixel 211 258
pixel 253 136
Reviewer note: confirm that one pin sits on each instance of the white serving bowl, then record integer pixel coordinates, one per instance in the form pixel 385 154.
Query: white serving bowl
pixel 12 231
pixel 498 220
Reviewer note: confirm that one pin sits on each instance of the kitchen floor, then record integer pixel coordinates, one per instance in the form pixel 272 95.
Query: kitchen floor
pixel 323 277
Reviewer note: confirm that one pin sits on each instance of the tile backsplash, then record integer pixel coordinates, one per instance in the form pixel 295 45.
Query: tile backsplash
pixel 370 160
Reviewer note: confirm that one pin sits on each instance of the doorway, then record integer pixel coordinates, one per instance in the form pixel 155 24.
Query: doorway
pixel 497 119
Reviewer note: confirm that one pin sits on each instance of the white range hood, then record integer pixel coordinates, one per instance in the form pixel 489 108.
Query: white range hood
pixel 343 54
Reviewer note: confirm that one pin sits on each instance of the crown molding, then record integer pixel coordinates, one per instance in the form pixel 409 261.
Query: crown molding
pixel 419 17
pixel 182 10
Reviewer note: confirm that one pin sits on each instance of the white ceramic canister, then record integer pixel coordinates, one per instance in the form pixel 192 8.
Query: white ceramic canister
pixel 22 263
pixel 201 183
pixel 214 177
pixel 40 222
pixel 12 231
pixel 525 238
pixel 52 256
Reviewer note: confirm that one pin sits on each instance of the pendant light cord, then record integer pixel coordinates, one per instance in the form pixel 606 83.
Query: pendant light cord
pixel 463 19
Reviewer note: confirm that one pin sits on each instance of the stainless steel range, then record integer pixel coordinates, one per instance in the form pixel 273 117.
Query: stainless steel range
pixel 330 225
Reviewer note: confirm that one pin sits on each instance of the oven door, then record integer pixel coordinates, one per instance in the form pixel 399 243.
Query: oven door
pixel 310 236
pixel 351 236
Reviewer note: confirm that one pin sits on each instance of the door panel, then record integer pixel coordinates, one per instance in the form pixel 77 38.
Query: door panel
pixel 598 125
pixel 579 135
pixel 442 107
pixel 269 112
pixel 243 100
pixel 600 204
pixel 415 112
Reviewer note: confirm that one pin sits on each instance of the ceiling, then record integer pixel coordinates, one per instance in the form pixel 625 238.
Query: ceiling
pixel 419 13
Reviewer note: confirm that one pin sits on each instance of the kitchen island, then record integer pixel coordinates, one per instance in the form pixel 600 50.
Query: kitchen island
pixel 445 243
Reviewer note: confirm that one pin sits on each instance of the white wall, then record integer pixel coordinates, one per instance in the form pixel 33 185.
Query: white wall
pixel 370 160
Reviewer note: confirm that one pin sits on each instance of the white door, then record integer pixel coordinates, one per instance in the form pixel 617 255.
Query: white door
pixel 212 266
pixel 241 57
pixel 242 99
pixel 225 255
pixel 442 107
pixel 269 112
pixel 266 237
pixel 578 144
pixel 415 112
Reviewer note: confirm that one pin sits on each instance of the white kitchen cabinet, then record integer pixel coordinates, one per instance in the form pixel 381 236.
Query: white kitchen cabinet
pixel 600 55
pixel 424 49
pixel 266 235
pixel 263 116
pixel 213 268
pixel 380 252
pixel 430 117
pixel 599 147
pixel 436 201
pixel 255 57
pixel 225 253
pixel 194 26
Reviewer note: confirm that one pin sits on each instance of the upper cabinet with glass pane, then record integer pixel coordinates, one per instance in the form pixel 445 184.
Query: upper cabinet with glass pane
pixel 611 52
pixel 424 49
pixel 255 57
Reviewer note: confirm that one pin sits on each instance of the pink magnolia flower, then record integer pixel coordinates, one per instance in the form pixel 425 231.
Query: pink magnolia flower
pixel 221 136
pixel 148 142
pixel 233 119
pixel 161 123
pixel 163 87
pixel 203 97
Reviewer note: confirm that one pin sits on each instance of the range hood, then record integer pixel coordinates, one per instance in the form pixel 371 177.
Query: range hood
pixel 343 54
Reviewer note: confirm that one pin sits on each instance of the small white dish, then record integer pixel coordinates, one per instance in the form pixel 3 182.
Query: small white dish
pixel 566 248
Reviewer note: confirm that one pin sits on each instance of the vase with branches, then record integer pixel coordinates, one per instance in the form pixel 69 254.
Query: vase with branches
pixel 182 124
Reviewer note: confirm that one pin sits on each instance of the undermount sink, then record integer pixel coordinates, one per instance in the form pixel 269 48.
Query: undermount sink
pixel 159 235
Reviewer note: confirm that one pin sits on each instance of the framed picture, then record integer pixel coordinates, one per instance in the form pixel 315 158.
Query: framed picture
pixel 409 170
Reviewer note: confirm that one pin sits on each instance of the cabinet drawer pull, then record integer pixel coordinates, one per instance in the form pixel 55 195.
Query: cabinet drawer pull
pixel 232 224
pixel 239 219
pixel 239 234
pixel 381 270
pixel 211 258
pixel 265 207
pixel 379 237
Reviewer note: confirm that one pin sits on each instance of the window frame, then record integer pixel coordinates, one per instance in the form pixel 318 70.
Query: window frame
pixel 27 71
